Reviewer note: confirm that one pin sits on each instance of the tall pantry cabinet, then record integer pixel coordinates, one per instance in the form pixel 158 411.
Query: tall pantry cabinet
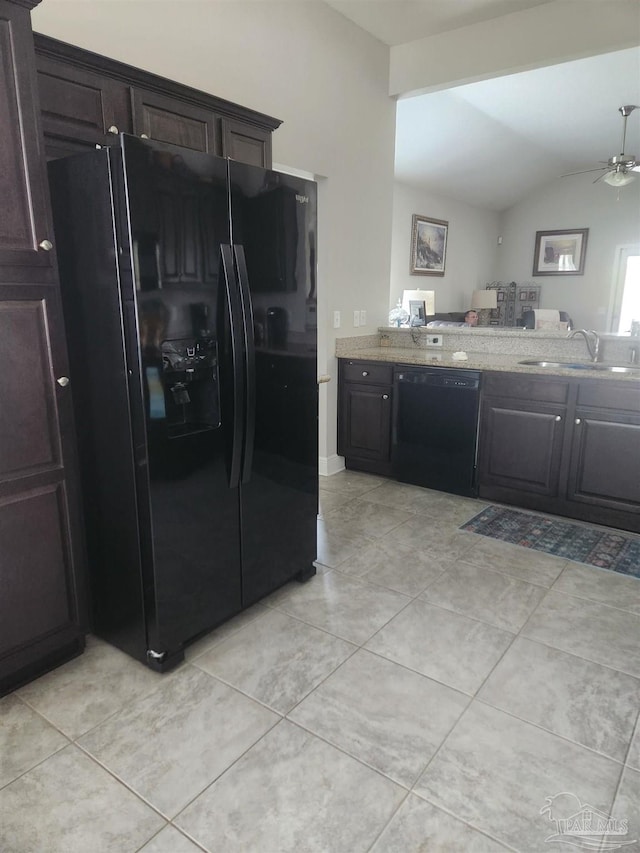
pixel 41 551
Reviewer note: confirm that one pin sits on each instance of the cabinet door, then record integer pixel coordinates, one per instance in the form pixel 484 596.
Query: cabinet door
pixel 365 421
pixel 24 217
pixel 80 109
pixel 605 460
pixel 40 534
pixel 39 528
pixel 171 120
pixel 520 446
pixel 246 143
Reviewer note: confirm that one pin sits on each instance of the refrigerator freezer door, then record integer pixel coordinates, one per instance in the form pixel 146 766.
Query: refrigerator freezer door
pixel 178 220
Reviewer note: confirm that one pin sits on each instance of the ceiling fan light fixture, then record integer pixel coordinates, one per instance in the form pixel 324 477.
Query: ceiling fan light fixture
pixel 618 178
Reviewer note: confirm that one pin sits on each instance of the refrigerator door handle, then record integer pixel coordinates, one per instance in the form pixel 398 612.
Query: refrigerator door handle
pixel 231 306
pixel 249 363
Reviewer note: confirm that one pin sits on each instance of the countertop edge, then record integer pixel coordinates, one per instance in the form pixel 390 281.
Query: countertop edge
pixel 477 361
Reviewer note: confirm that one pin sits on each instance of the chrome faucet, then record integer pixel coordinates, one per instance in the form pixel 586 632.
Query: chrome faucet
pixel 592 340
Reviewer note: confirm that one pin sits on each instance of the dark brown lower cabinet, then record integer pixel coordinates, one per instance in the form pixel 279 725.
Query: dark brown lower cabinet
pixel 570 447
pixel 604 468
pixel 522 429
pixel 365 415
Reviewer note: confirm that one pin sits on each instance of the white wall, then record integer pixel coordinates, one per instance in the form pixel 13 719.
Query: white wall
pixel 307 65
pixel 613 219
pixel 471 247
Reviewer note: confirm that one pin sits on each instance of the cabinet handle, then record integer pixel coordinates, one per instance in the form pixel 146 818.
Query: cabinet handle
pixel 365 372
pixel 113 129
pixel 46 245
pixel 144 136
pixel 385 396
pixel 578 421
pixel 558 417
pixel 63 381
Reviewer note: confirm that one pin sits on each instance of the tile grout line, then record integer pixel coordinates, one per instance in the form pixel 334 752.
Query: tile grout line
pixel 472 826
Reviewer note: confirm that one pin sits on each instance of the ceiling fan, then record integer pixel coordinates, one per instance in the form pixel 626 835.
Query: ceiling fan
pixel 620 169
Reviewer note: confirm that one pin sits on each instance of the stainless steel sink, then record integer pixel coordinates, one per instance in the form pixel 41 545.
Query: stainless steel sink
pixel 582 365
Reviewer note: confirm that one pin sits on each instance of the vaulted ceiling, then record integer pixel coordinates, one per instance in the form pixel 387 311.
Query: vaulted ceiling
pixel 490 143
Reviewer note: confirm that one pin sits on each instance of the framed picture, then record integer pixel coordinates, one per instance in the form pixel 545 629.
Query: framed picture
pixel 524 295
pixel 416 312
pixel 500 296
pixel 560 252
pixel 428 245
pixel 533 295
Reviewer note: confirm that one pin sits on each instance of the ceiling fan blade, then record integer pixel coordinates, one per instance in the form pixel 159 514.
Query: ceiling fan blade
pixel 585 171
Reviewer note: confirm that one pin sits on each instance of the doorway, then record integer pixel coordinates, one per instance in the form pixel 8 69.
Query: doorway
pixel 626 297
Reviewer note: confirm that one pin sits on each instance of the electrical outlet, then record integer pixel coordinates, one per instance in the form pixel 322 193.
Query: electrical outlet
pixel 356 318
pixel 336 319
pixel 434 340
pixel 363 318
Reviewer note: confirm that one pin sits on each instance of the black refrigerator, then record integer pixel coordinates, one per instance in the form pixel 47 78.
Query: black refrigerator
pixel 188 286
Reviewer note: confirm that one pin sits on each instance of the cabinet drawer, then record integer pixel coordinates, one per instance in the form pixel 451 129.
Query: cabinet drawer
pixel 521 386
pixel 624 397
pixel 366 372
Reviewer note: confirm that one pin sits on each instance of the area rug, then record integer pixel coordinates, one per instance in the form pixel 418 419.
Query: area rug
pixel 602 548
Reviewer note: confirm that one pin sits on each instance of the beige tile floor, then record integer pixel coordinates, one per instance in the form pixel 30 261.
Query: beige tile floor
pixel 427 691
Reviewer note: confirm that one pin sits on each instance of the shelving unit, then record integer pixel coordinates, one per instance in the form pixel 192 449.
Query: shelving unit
pixel 513 299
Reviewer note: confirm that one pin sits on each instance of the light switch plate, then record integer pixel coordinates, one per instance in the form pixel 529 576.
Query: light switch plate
pixel 356 318
pixel 363 318
pixel 434 340
pixel 336 319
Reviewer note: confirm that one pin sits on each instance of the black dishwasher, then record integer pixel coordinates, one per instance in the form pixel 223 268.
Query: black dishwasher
pixel 435 428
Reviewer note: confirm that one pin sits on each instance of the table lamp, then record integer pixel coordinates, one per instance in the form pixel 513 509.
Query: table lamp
pixel 483 301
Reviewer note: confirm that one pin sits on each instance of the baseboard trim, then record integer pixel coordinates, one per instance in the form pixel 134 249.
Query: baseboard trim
pixel 328 465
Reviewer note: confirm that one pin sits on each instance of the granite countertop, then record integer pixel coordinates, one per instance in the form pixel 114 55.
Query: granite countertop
pixel 477 361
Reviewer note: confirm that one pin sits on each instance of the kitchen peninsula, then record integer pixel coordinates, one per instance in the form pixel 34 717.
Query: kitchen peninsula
pixel 487 348
pixel 558 439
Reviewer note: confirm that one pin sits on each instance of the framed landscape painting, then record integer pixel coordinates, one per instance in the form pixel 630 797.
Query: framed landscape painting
pixel 428 245
pixel 560 252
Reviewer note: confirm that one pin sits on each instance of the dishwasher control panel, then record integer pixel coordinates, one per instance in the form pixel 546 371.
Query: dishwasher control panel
pixel 443 377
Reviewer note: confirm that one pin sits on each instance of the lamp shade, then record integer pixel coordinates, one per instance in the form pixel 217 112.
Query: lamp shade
pixel 484 299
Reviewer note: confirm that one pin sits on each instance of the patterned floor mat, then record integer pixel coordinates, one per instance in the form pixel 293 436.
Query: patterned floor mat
pixel 602 548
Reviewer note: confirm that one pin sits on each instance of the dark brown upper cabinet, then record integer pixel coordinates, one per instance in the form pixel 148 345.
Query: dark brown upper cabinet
pixel 245 143
pixel 80 108
pixel 166 119
pixel 41 541
pixel 24 217
pixel 88 99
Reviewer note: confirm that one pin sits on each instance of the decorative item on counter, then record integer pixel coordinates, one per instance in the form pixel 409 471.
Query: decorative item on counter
pixel 416 313
pixel 397 315
pixel 385 340
pixel 426 296
pixel 459 356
